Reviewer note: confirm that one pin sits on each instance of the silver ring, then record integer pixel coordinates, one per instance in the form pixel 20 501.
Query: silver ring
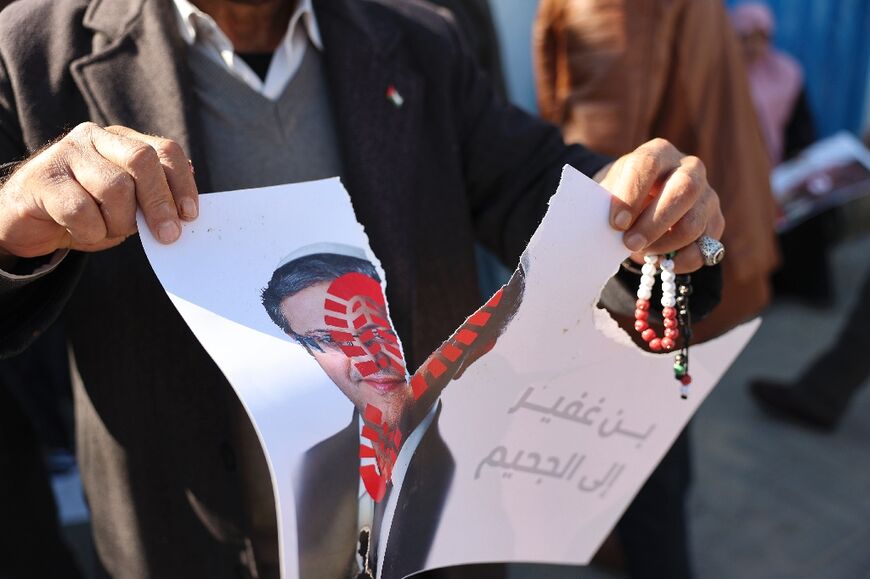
pixel 712 249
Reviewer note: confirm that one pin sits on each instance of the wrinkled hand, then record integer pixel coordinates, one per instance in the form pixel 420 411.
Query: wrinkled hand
pixel 82 192
pixel 663 203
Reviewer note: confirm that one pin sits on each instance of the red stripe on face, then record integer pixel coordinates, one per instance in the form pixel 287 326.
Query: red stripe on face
pixel 333 306
pixel 394 351
pixel 335 322
pixel 366 451
pixel 353 351
pixel 357 284
pixel 366 368
pixel 398 367
pixel 341 336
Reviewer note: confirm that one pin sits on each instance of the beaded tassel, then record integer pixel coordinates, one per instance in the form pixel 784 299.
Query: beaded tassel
pixel 684 320
pixel 675 314
pixel 669 313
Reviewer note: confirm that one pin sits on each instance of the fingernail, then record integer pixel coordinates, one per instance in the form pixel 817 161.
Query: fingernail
pixel 188 208
pixel 635 242
pixel 622 220
pixel 168 231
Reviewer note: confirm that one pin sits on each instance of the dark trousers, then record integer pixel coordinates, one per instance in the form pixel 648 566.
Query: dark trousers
pixel 834 377
pixel 805 270
pixel 31 545
pixel 654 530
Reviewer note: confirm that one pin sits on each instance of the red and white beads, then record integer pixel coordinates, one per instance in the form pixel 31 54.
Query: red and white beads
pixel 669 301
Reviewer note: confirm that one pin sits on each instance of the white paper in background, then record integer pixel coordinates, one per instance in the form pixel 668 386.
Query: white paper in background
pixel 551 433
pixel 829 173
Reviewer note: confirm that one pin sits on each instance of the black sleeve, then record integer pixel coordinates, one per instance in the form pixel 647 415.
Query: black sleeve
pixel 512 161
pixel 620 294
pixel 27 306
pixel 474 18
pixel 800 132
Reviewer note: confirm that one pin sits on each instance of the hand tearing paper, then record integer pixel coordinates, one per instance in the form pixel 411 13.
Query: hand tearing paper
pixel 533 425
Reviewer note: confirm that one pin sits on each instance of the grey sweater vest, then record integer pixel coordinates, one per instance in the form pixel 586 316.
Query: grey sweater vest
pixel 251 141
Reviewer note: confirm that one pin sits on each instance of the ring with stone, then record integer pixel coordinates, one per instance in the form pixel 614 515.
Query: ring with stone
pixel 712 249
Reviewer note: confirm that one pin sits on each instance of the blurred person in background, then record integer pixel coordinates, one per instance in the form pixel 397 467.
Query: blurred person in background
pixel 474 20
pixel 614 74
pixel 820 396
pixel 777 84
pixel 776 81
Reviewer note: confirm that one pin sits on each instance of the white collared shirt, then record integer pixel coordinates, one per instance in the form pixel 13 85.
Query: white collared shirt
pixel 200 30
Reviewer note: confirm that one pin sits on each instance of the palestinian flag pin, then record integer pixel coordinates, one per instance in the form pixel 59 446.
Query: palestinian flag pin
pixel 394 97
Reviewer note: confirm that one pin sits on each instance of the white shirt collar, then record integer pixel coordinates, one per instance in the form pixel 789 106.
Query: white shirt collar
pixel 200 31
pixel 194 22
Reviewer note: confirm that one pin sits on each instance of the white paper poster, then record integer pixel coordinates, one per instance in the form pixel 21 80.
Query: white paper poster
pixel 523 438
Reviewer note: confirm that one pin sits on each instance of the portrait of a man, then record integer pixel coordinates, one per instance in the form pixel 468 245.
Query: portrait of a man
pixel 372 494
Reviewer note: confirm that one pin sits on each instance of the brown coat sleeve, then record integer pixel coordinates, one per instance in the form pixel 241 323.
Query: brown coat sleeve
pixel 546 41
pixel 672 69
pixel 601 69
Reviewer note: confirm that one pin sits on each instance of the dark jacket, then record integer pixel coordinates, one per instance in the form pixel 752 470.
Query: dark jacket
pixel 174 476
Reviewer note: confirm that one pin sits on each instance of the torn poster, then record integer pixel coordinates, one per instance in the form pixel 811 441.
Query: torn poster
pixel 533 425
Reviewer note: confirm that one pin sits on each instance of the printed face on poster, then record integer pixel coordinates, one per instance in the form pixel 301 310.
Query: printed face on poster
pixel 533 425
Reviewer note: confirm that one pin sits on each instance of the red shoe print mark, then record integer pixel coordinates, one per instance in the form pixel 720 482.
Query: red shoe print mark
pixel 457 350
pixel 386 443
pixel 357 320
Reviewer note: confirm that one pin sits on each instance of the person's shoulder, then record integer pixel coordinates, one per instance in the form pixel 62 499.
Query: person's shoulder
pixel 28 26
pixel 326 453
pixel 789 65
pixel 38 17
pixel 414 11
pixel 420 20
pixel 787 58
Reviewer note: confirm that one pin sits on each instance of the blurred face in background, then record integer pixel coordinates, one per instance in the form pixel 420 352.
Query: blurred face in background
pixel 755 45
